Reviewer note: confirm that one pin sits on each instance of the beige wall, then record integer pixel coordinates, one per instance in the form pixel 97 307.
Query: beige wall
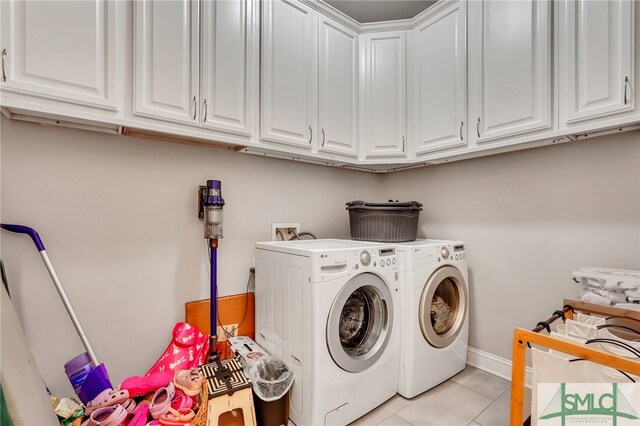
pixel 117 217
pixel 529 219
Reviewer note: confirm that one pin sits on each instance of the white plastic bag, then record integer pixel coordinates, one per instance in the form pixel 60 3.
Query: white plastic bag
pixel 270 376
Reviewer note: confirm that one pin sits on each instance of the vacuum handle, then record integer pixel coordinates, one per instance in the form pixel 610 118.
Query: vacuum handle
pixel 20 229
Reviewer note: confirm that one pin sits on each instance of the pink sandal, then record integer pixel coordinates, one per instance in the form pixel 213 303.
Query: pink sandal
pixel 180 400
pixel 112 415
pixel 161 401
pixel 106 398
pixel 180 417
pixel 189 381
pixel 140 414
pixel 129 405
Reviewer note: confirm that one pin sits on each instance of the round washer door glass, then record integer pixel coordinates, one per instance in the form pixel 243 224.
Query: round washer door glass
pixel 360 322
pixel 443 307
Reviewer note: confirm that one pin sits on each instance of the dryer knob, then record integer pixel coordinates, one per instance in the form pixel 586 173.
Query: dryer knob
pixel 445 252
pixel 365 258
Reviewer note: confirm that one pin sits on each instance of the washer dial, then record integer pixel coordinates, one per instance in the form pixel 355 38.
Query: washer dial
pixel 365 258
pixel 445 252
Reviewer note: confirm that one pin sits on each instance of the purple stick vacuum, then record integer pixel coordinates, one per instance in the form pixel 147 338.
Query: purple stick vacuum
pixel 213 203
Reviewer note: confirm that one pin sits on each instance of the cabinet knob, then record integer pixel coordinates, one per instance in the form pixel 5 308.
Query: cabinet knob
pixel 403 143
pixel 4 75
pixel 461 124
pixel 204 115
pixel 195 107
pixel 626 83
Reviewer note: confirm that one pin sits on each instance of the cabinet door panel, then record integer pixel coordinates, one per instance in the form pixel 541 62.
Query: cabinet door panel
pixel 63 50
pixel 289 75
pixel 338 89
pixel 166 60
pixel 385 94
pixel 227 65
pixel 441 81
pixel 596 57
pixel 510 77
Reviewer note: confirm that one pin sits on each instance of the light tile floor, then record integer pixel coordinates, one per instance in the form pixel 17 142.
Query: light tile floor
pixel 472 397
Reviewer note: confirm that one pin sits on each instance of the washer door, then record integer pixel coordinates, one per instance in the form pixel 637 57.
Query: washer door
pixel 443 307
pixel 360 323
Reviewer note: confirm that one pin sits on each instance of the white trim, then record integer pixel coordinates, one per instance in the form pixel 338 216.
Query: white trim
pixel 494 364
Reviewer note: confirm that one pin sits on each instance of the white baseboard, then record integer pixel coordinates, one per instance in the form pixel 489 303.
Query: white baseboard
pixel 494 364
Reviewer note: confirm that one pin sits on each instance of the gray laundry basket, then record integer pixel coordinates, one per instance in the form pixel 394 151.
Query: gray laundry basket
pixel 391 222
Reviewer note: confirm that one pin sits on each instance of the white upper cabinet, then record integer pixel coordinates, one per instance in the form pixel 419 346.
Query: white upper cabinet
pixel 166 55
pixel 68 51
pixel 509 68
pixel 289 74
pixel 196 63
pixel 228 66
pixel 596 59
pixel 338 88
pixel 385 94
pixel 440 81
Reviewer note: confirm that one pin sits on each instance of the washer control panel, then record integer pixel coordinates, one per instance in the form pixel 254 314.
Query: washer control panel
pixel 376 259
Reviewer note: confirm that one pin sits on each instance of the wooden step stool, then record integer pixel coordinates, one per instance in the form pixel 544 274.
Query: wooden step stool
pixel 229 389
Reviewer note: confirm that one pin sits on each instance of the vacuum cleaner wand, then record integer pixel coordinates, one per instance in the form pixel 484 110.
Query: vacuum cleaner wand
pixel 20 229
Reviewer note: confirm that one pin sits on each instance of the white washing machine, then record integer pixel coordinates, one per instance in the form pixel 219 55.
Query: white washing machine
pixel 329 309
pixel 434 313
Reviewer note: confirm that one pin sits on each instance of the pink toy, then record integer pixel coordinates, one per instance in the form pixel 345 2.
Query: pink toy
pixel 142 385
pixel 188 349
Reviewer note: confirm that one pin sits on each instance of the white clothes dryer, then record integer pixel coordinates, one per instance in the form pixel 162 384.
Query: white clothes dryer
pixel 434 313
pixel 329 309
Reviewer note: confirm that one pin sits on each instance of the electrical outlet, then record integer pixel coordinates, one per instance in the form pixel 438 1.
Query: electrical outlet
pixel 231 330
pixel 284 231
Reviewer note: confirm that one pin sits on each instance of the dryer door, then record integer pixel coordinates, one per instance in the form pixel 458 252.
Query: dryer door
pixel 443 306
pixel 360 322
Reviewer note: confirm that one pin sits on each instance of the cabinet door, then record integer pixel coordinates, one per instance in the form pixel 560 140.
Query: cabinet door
pixel 440 81
pixel 229 66
pixel 596 57
pixel 385 98
pixel 338 88
pixel 289 74
pixel 166 59
pixel 63 50
pixel 509 68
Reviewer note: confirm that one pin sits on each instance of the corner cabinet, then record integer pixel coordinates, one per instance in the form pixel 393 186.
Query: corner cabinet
pixel 194 63
pixel 385 94
pixel 309 80
pixel 597 57
pixel 440 81
pixel 70 51
pixel 510 68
